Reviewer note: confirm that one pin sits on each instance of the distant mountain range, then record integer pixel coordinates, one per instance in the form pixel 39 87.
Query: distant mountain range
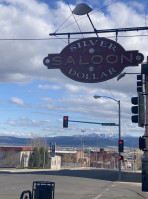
pixel 71 141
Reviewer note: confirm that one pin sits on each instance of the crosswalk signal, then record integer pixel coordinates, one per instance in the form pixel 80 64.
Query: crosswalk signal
pixel 65 121
pixel 121 146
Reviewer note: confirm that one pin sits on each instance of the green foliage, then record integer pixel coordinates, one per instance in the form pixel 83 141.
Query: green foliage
pixel 42 155
pixel 46 157
pixel 37 157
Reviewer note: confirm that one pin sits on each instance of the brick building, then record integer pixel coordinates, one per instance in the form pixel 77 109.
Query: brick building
pixel 72 158
pixel 103 159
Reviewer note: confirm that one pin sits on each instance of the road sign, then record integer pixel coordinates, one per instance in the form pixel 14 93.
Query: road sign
pixel 108 124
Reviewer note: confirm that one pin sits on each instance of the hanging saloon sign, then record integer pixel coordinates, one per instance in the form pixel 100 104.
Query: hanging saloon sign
pixel 92 60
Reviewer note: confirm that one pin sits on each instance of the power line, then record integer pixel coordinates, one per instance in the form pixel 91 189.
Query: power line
pixel 90 14
pixel 59 38
pixel 63 23
pixel 74 16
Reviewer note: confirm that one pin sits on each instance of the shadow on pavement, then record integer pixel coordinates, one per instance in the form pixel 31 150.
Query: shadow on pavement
pixel 101 174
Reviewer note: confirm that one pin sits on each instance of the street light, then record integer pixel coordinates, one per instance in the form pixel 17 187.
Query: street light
pixel 84 9
pixel 121 75
pixel 119 125
pixel 83 140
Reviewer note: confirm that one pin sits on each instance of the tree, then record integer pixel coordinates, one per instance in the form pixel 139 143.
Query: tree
pixel 35 158
pixel 44 152
pixel 36 141
pixel 42 149
pixel 46 157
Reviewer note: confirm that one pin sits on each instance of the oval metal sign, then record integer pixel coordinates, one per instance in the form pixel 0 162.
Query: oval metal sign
pixel 93 60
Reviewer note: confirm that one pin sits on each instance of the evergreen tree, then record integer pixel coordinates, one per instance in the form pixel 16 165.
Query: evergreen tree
pixel 42 155
pixel 36 157
pixel 46 157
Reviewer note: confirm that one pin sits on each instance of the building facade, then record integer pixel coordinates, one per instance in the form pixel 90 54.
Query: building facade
pixel 14 157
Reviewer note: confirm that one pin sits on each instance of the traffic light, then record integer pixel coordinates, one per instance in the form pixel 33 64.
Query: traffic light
pixel 52 149
pixel 121 145
pixel 139 83
pixel 65 121
pixel 134 109
pixel 142 143
pixel 144 68
pixel 120 157
pixel 138 110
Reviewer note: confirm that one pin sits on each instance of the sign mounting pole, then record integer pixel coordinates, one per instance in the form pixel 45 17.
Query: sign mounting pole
pixel 103 31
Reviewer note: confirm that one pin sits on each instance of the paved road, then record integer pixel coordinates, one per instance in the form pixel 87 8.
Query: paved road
pixel 71 187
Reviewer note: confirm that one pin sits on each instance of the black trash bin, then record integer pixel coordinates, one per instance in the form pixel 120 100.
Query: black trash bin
pixel 43 190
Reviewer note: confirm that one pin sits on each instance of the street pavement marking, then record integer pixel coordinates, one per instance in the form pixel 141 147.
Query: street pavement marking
pixel 107 189
pixel 98 196
pixel 131 183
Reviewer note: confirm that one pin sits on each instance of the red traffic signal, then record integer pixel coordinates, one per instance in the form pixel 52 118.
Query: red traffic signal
pixel 121 145
pixel 65 121
pixel 120 141
pixel 120 157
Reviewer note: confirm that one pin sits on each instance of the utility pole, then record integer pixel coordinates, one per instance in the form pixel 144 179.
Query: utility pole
pixel 146 127
pixel 83 140
pixel 145 157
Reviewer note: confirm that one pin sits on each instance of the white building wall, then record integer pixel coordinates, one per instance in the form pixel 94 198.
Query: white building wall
pixel 24 158
pixel 55 162
pixel 14 159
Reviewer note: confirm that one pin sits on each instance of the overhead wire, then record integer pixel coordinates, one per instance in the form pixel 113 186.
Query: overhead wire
pixel 74 17
pixel 76 21
pixel 59 38
pixel 62 39
pixel 63 23
pixel 90 14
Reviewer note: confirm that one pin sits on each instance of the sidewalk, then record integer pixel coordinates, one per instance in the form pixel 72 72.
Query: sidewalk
pixel 14 170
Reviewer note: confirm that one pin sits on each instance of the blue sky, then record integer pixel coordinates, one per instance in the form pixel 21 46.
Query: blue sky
pixel 34 99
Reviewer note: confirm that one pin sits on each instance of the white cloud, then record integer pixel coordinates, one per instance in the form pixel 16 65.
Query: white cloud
pixel 48 87
pixel 31 19
pixel 13 123
pixel 22 61
pixel 16 134
pixel 17 101
pixel 28 122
